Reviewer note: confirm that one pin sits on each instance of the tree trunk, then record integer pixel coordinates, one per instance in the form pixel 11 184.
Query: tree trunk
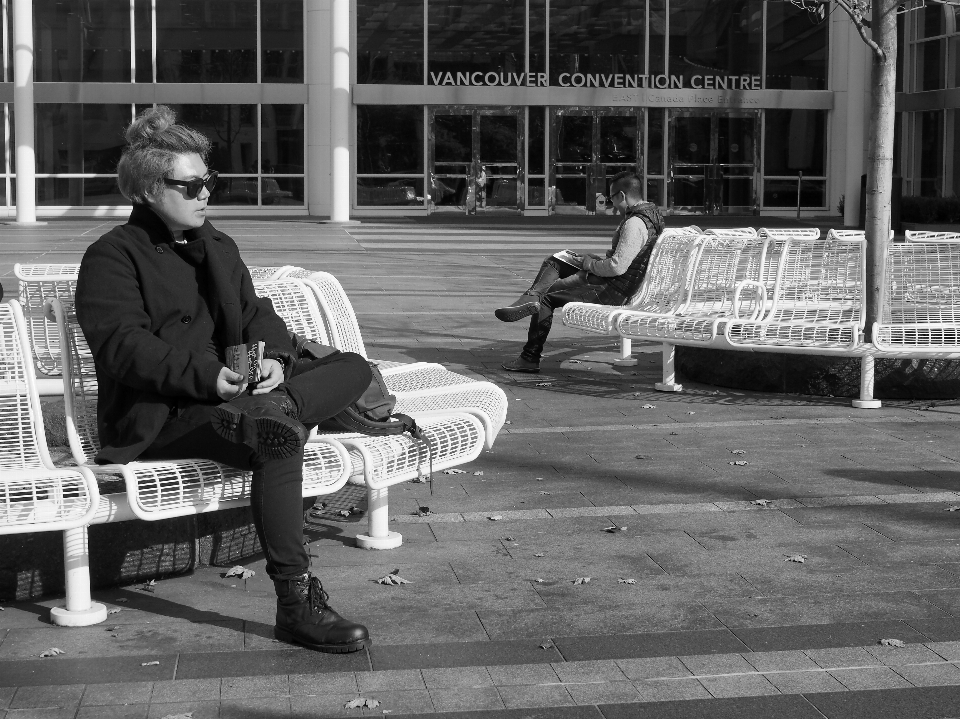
pixel 880 154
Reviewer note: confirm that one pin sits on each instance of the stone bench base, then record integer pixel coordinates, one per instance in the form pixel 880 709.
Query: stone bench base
pixel 819 375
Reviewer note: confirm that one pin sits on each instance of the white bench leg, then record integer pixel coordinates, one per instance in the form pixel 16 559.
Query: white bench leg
pixel 81 610
pixel 866 400
pixel 626 353
pixel 669 383
pixel 379 535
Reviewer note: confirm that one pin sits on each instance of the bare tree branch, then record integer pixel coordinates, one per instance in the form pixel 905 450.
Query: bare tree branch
pixel 853 9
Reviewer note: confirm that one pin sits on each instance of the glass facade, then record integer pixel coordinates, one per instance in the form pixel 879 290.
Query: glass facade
pixel 259 148
pixel 929 153
pixel 564 156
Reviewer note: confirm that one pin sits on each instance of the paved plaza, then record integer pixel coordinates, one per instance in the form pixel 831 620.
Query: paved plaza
pixel 837 597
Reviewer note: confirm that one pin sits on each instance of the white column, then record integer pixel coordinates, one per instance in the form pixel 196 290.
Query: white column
pixel 317 77
pixel 340 112
pixel 855 130
pixel 80 610
pixel 23 110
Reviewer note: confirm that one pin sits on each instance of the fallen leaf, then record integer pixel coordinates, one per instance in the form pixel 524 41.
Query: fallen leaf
pixel 674 434
pixel 423 512
pixel 547 644
pixel 738 463
pixel 392 579
pixel 614 528
pixel 478 474
pixel 115 610
pixel 798 558
pixel 691 412
pixel 51 652
pixel 542 492
pixel 241 572
pixel 892 643
pixel 361 703
pixel 150 586
pixel 582 580
pixel 111 629
pixel 508 539
pixel 344 512
pixel 539 581
pixel 762 502
pixel 540 554
pixel 149 664
pixel 121 600
pixel 495 518
pixel 954 508
pixel 544 384
pixel 508 422
pixel 643 456
pixel 419 480
pixel 454 471
pixel 539 479
pixel 627 581
pixel 740 451
pixel 647 406
pixel 188 715
pixel 574 362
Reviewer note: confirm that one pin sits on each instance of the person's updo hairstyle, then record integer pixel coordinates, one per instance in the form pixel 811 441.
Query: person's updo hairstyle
pixel 154 141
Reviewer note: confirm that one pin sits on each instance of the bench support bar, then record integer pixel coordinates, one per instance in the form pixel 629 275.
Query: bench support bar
pixel 379 535
pixel 626 354
pixel 669 383
pixel 80 610
pixel 866 400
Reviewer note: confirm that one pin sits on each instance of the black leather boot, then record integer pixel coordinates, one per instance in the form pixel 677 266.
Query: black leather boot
pixel 267 423
pixel 305 618
pixel 525 306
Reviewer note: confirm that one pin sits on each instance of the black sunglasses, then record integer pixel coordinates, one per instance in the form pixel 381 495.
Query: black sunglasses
pixel 193 186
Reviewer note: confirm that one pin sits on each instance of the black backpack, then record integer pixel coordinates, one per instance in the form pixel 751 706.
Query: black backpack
pixel 372 413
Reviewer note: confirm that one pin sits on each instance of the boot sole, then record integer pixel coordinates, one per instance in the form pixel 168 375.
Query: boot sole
pixel 284 636
pixel 512 314
pixel 525 370
pixel 270 437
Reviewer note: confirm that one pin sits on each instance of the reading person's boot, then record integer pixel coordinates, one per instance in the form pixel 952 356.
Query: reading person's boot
pixel 525 306
pixel 267 423
pixel 305 618
pixel 520 364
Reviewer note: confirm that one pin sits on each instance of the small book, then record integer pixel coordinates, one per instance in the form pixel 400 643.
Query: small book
pixel 571 258
pixel 246 359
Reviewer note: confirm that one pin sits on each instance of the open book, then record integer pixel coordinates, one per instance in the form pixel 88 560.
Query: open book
pixel 245 359
pixel 571 258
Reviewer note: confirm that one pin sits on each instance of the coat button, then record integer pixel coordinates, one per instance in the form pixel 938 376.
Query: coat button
pixel 186 319
pixel 159 250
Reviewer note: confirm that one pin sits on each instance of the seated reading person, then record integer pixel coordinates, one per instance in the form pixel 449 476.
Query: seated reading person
pixel 570 277
pixel 163 301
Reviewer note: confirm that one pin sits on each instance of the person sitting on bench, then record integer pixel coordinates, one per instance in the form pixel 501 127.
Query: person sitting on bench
pixel 568 277
pixel 161 300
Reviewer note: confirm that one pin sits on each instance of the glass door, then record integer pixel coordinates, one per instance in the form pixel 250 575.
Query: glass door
pixel 588 147
pixel 714 162
pixel 475 159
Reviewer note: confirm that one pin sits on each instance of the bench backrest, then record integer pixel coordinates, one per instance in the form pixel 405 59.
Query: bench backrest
pixel 783 233
pixel 731 232
pixel 921 283
pixel 928 236
pixel 342 327
pixel 721 264
pixel 295 302
pixel 667 281
pixel 22 441
pixel 820 281
pixel 36 282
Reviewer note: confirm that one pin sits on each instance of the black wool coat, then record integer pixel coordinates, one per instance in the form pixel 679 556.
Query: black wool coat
pixel 150 325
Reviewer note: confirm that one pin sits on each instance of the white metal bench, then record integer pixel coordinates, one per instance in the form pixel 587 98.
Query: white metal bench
pixel 817 300
pixel 920 305
pixel 455 418
pixel 35 496
pixel 419 386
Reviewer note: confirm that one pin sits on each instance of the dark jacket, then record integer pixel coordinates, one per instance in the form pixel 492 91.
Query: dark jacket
pixel 144 311
pixel 622 287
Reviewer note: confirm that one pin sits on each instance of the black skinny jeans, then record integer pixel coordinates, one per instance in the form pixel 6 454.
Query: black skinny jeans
pixel 320 388
pixel 550 289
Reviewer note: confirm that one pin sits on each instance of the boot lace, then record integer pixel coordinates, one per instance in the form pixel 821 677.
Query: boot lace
pixel 316 596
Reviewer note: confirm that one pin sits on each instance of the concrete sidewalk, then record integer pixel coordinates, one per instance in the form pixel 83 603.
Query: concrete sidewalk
pixel 687 512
